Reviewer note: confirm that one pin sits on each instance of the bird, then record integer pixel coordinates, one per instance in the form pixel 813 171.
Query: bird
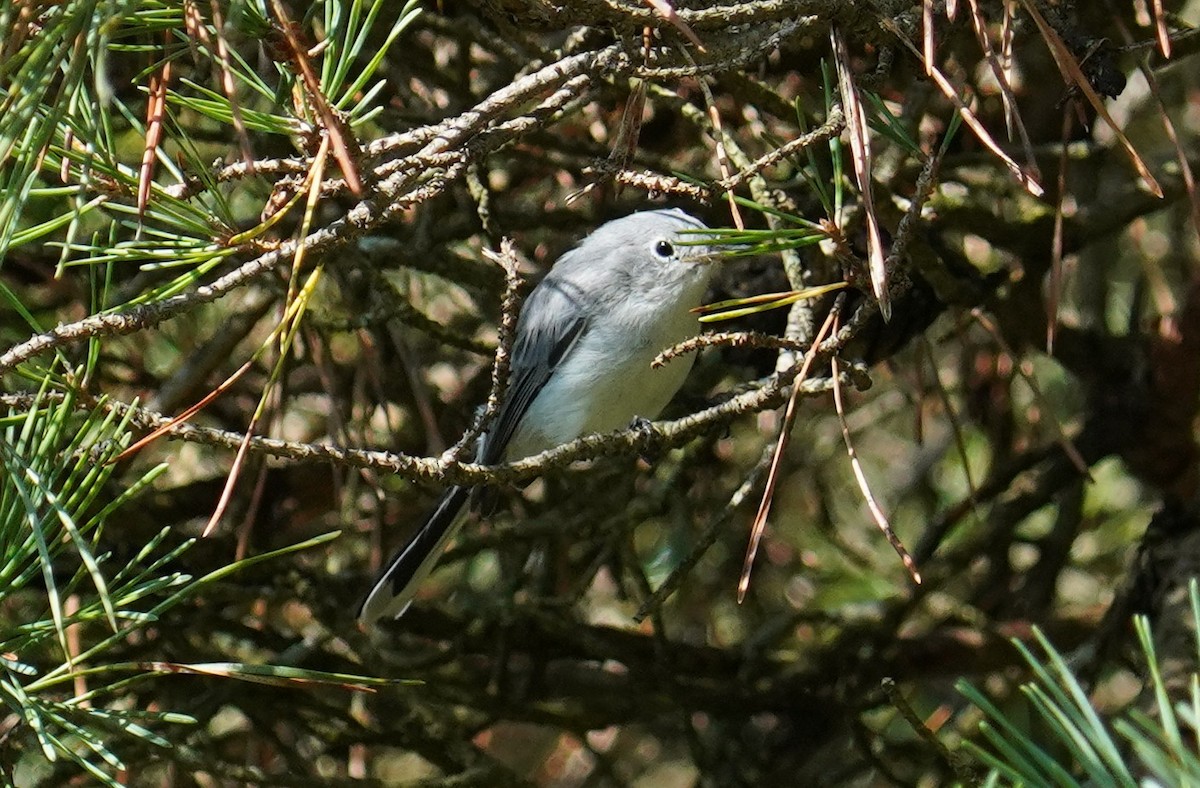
pixel 580 364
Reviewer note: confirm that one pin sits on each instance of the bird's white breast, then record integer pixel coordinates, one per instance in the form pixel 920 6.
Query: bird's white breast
pixel 589 393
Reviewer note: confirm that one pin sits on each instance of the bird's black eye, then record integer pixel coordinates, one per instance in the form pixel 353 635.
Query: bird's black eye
pixel 664 249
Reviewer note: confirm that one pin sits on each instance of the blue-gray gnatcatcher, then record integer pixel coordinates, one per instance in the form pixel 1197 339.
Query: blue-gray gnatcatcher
pixel 580 364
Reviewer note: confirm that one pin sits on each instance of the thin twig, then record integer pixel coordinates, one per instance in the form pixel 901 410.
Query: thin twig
pixel 759 525
pixel 1060 434
pixel 510 308
pixel 877 514
pixel 1028 179
pixel 1054 294
pixel 707 539
pixel 1012 114
pixel 833 126
pixel 738 339
pixel 1073 74
pixel 767 393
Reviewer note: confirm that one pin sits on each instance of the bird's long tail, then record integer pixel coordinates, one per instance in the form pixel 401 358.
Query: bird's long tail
pixel 408 568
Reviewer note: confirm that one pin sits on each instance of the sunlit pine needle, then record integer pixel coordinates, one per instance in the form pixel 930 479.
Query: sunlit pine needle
pixel 789 418
pixel 880 518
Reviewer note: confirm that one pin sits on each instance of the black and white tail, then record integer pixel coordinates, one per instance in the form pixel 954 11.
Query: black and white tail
pixel 393 592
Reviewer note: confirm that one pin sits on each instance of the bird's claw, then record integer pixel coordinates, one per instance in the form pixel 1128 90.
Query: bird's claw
pixel 648 437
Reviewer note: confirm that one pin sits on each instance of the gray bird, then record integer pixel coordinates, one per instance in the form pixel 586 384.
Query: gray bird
pixel 580 364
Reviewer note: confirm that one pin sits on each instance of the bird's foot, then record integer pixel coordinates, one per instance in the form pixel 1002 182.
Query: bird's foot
pixel 648 437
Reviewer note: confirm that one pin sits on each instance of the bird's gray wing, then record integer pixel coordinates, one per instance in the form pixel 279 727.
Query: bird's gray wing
pixel 552 321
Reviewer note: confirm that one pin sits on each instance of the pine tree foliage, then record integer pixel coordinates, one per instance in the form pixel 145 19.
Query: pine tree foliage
pixel 258 265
